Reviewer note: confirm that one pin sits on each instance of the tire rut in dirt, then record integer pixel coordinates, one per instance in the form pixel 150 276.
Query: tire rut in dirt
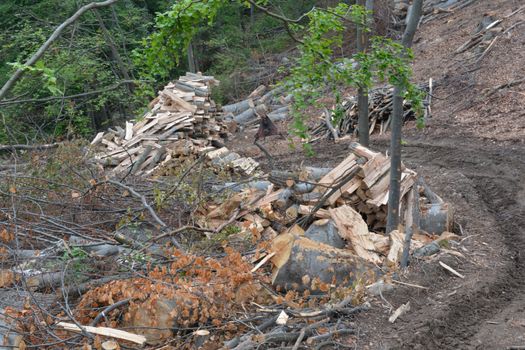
pixel 497 187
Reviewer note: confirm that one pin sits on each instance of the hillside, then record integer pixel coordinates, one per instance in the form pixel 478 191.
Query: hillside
pixel 174 228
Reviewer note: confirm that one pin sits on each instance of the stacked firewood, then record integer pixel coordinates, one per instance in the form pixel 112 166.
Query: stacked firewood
pixel 379 113
pixel 274 103
pixel 360 181
pixel 329 224
pixel 183 121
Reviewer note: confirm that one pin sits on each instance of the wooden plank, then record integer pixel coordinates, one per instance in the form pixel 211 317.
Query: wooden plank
pixel 353 228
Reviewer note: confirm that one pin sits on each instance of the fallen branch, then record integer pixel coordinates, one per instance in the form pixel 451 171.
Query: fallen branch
pixel 29 147
pixel 105 331
pixel 450 269
pixel 327 118
pixel 142 199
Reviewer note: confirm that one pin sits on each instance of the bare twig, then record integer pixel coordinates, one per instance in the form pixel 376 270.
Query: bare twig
pixel 142 199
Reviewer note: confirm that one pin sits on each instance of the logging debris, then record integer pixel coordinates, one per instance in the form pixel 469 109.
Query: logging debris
pixel 317 218
pixel 379 112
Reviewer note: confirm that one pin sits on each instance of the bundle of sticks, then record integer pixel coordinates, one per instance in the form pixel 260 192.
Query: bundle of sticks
pixel 379 113
pixel 183 121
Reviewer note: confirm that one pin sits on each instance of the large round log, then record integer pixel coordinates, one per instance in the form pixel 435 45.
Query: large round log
pixel 303 264
pixel 325 231
pixel 238 107
pixel 276 117
pixel 246 116
pixel 436 218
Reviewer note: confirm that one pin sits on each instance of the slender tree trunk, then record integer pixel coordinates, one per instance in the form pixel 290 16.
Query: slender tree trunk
pixel 252 14
pixel 362 93
pixel 114 51
pixel 56 34
pixel 191 59
pixel 397 125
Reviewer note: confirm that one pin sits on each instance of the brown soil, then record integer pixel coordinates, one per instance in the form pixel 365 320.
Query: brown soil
pixel 473 154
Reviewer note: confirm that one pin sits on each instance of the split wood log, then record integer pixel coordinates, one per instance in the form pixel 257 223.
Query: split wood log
pixel 266 98
pixel 302 264
pixel 354 229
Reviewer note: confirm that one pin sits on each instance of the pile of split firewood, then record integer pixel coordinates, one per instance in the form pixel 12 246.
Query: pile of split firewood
pixel 330 223
pixel 380 114
pixel 183 121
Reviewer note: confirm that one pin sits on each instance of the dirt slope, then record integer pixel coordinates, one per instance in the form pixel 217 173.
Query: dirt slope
pixel 473 153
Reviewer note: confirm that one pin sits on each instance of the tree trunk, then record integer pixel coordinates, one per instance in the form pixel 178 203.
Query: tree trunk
pixel 362 94
pixel 397 125
pixel 56 34
pixel 114 51
pixel 395 160
pixel 191 59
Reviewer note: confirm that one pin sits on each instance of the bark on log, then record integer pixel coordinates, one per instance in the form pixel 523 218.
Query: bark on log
pixel 276 117
pixel 325 231
pixel 270 94
pixel 246 116
pixel 300 264
pixel 238 107
pixel 436 218
pixel 257 92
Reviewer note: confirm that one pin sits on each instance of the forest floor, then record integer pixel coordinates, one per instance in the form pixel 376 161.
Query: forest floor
pixel 472 152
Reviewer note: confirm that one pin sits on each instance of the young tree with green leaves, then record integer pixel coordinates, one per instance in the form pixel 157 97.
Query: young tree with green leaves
pixel 397 124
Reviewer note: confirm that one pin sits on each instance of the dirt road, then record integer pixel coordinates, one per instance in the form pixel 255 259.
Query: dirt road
pixel 473 154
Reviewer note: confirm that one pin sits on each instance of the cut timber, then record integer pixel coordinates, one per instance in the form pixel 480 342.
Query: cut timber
pixel 399 312
pixel 97 139
pixel 257 92
pixel 362 151
pixel 374 169
pixel 239 107
pixel 307 210
pixel 302 264
pixel 179 101
pixel 129 131
pixel 339 171
pixel 353 228
pixel 246 116
pixel 396 247
pixel 436 218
